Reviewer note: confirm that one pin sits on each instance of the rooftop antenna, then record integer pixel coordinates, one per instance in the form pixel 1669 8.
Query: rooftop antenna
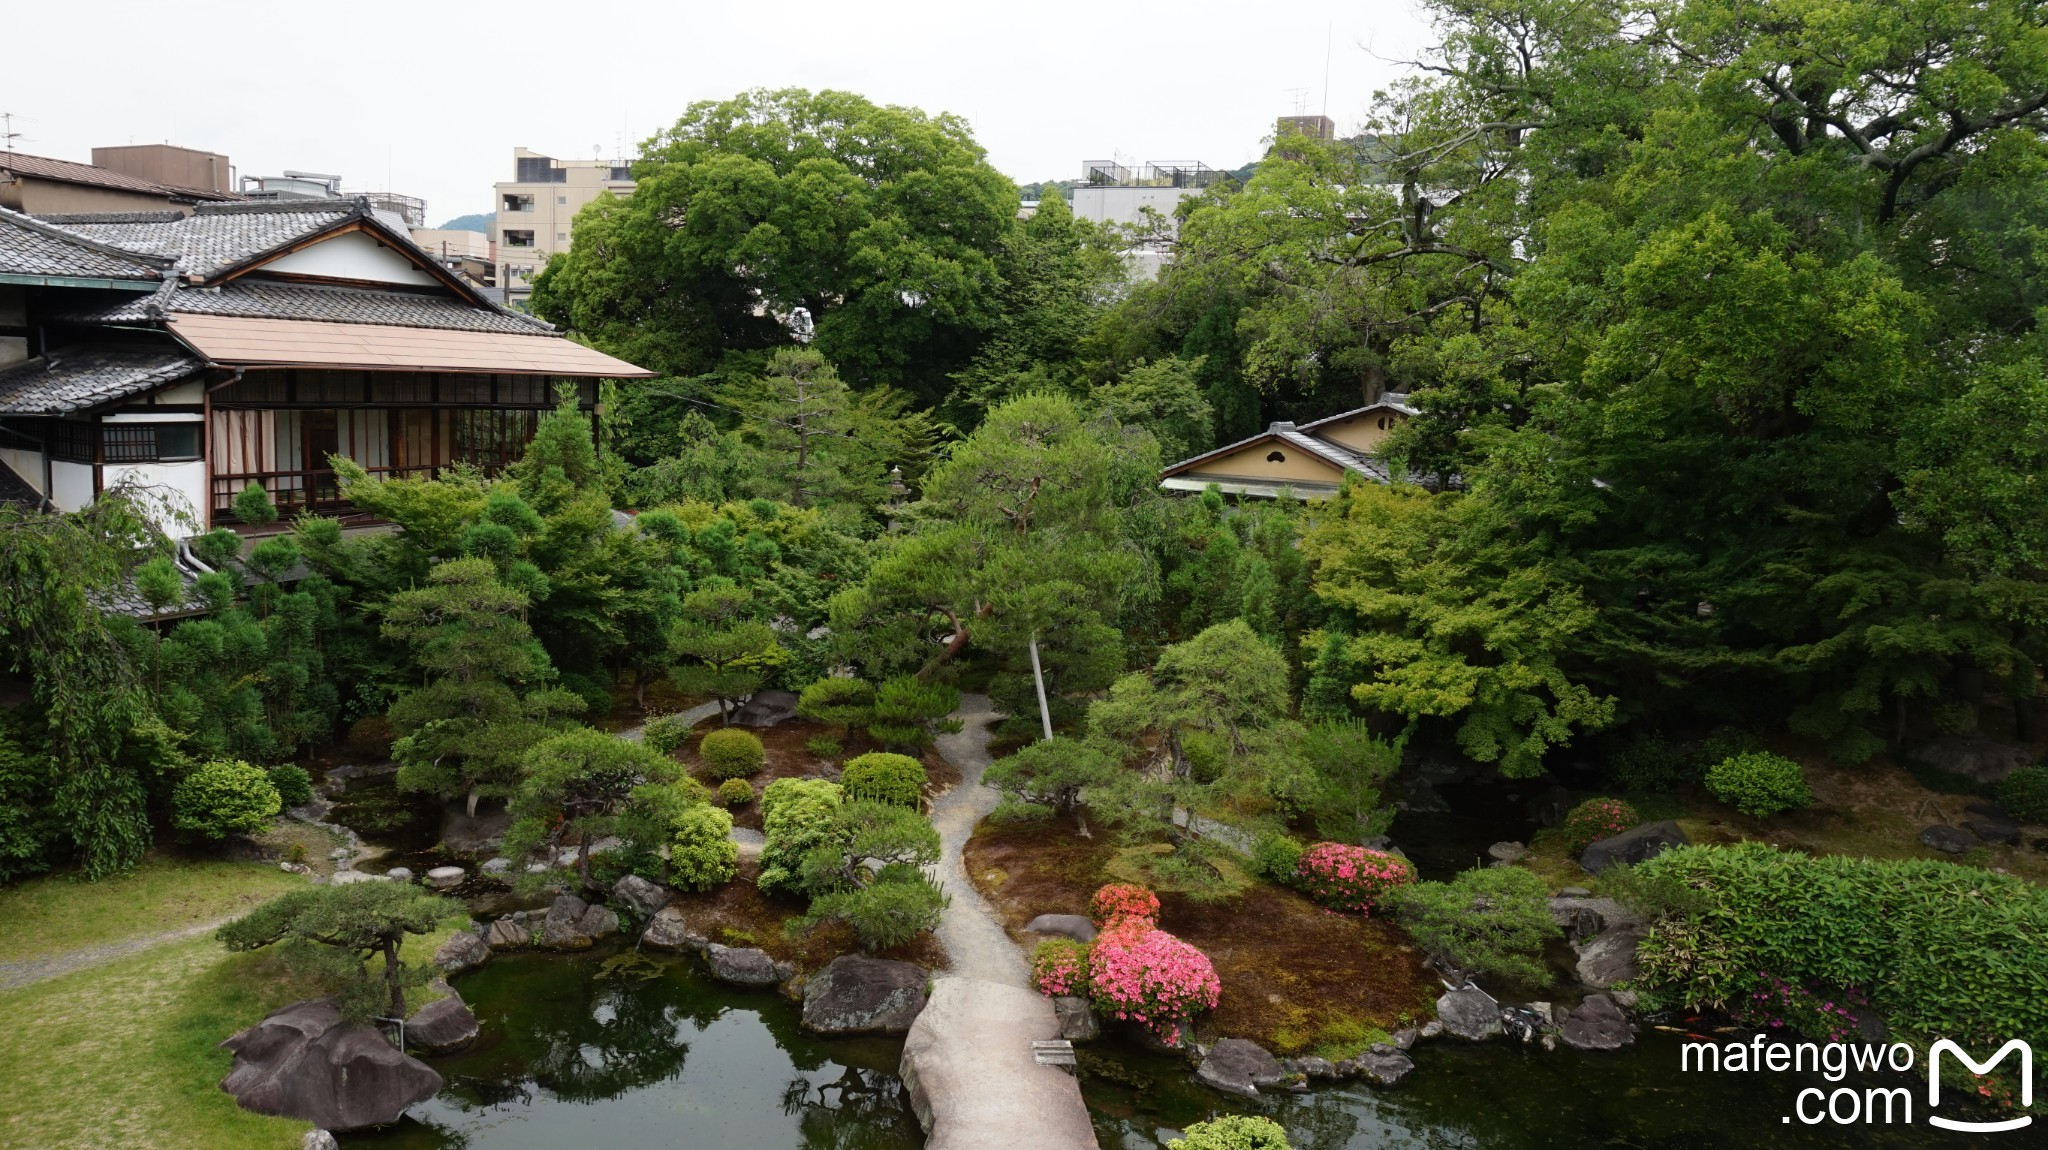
pixel 7 132
pixel 1329 37
pixel 1300 99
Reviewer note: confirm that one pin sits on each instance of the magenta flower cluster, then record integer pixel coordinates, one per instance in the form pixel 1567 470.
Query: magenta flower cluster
pixel 1778 1003
pixel 1060 967
pixel 1145 975
pixel 1345 877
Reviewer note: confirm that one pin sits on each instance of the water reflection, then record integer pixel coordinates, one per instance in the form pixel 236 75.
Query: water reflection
pixel 569 1059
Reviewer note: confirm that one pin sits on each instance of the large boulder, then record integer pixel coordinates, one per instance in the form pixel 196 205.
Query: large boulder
pixel 1596 1024
pixel 446 877
pixel 318 1140
pixel 1074 926
pixel 1972 757
pixel 1582 917
pixel 1077 1019
pixel 859 995
pixel 304 1062
pixel 1381 1065
pixel 643 898
pixel 1470 1013
pixel 443 1025
pixel 1610 957
pixel 598 921
pixel 1633 846
pixel 463 951
pixel 508 934
pixel 563 928
pixel 1948 840
pixel 1238 1066
pixel 668 931
pixel 742 965
pixel 766 709
pixel 1993 829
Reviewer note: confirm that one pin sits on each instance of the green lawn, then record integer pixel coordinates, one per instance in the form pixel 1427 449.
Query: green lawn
pixel 126 1054
pixel 55 914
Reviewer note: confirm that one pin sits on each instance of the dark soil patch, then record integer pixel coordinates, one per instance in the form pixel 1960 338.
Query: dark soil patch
pixel 1295 976
pixel 738 914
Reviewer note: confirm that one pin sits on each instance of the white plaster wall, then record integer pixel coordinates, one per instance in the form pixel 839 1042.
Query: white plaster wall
pixel 73 485
pixel 182 485
pixel 1122 205
pixel 353 256
pixel 27 464
pixel 184 393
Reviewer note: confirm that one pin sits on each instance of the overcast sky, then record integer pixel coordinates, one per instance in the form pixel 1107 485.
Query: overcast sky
pixel 429 98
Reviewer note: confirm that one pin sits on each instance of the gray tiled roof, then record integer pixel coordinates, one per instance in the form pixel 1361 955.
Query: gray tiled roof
pixel 73 172
pixel 29 246
pixel 264 299
pixel 215 236
pixel 73 379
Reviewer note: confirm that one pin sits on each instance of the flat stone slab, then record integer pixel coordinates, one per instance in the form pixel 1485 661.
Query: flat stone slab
pixel 973 1080
pixel 1075 926
pixel 1240 1066
pixel 859 995
pixel 742 966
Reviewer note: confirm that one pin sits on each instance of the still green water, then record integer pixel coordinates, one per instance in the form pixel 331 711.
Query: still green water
pixel 568 1061
pixel 571 1061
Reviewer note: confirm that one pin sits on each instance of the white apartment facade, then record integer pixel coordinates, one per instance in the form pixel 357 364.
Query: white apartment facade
pixel 536 212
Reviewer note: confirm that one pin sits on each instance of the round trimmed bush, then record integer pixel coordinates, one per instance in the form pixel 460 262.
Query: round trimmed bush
pixel 1233 1132
pixel 730 754
pixel 880 777
pixel 1597 819
pixel 1059 967
pixel 224 797
pixel 839 702
pixel 701 853
pixel 1123 900
pixel 1345 877
pixel 294 785
pixel 1277 857
pixel 2024 794
pixel 735 793
pixel 665 733
pixel 1759 784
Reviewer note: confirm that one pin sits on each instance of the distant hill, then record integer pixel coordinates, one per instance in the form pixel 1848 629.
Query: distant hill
pixel 480 222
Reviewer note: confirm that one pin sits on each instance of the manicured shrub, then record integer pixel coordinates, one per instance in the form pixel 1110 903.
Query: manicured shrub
pixel 224 797
pixel 701 853
pixel 1493 920
pixel 838 702
pixel 1142 974
pixel 1277 858
pixel 897 906
pixel 797 816
pixel 1059 967
pixel 665 733
pixel 1596 819
pixel 1941 949
pixel 824 746
pixel 1345 877
pixel 294 785
pixel 735 792
pixel 1759 784
pixel 1233 1132
pixel 730 754
pixel 1123 900
pixel 880 777
pixel 2024 794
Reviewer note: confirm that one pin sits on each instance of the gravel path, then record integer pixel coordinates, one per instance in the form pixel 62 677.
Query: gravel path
pixel 976 944
pixel 28 972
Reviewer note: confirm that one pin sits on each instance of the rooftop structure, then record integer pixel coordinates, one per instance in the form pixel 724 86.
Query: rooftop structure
pixel 536 212
pixel 35 184
pixel 1305 461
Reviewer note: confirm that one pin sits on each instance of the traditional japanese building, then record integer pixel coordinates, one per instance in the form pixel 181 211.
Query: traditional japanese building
pixel 1307 461
pixel 249 342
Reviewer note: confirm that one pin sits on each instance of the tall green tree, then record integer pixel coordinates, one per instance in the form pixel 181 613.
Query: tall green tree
pixel 584 782
pixel 881 225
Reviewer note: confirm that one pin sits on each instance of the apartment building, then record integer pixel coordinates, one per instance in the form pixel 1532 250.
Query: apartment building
pixel 536 212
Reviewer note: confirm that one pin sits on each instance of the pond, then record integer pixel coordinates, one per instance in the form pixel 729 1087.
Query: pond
pixel 571 1059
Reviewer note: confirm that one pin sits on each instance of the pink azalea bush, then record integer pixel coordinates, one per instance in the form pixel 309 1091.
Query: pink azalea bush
pixel 1145 975
pixel 1060 967
pixel 1597 819
pixel 1345 877
pixel 1122 900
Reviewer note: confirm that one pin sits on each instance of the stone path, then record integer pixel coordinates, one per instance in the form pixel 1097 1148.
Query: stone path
pixel 976 944
pixel 28 972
